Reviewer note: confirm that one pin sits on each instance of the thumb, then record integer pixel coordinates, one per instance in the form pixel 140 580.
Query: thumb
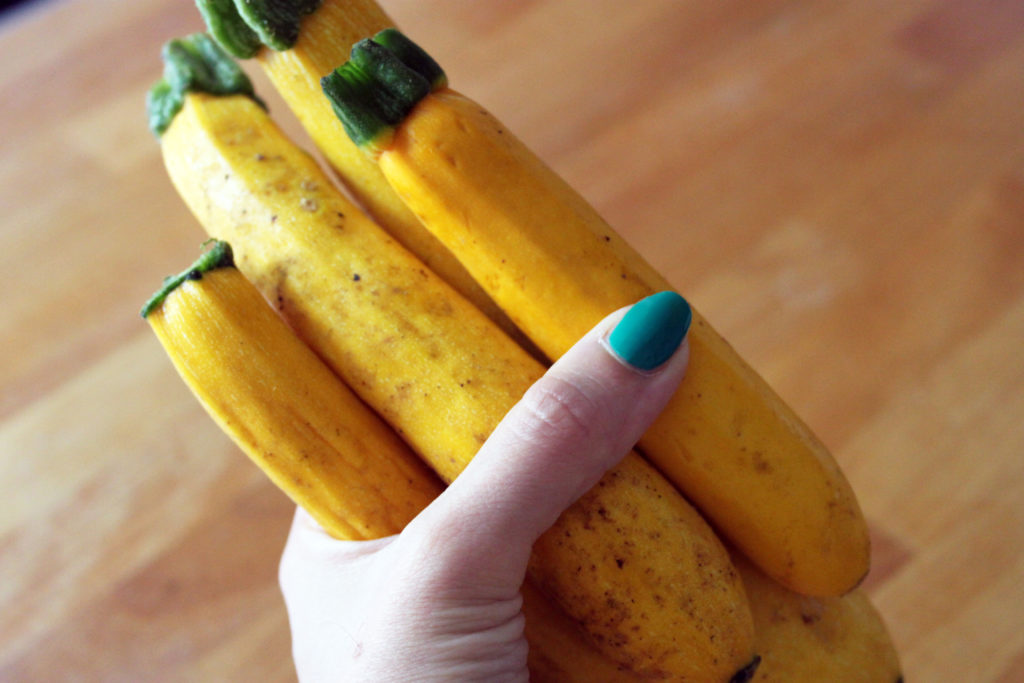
pixel 575 423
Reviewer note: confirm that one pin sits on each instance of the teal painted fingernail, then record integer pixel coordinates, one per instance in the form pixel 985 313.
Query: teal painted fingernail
pixel 651 330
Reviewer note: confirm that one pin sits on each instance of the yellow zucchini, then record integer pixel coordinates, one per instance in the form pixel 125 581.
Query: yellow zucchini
pixel 556 267
pixel 285 409
pixel 315 439
pixel 443 375
pixel 803 638
pixel 323 40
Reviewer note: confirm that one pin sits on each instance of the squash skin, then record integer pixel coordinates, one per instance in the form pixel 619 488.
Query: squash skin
pixel 324 41
pixel 320 444
pixel 803 638
pixel 362 302
pixel 554 265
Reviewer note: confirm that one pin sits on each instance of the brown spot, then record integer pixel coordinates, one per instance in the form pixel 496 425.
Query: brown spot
pixel 761 465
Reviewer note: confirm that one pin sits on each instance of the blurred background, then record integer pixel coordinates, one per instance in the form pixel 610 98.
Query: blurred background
pixel 838 187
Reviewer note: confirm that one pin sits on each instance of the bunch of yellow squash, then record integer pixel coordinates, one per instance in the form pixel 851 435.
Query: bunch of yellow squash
pixel 360 350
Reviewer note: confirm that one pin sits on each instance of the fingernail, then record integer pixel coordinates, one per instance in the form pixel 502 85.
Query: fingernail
pixel 651 330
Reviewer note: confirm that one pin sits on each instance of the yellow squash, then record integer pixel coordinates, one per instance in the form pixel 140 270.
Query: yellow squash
pixel 803 638
pixel 324 40
pixel 318 442
pixel 287 411
pixel 556 267
pixel 443 375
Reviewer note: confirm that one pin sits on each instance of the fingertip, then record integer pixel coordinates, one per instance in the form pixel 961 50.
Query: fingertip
pixel 649 332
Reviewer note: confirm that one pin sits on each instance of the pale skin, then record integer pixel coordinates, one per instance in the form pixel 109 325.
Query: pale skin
pixel 441 601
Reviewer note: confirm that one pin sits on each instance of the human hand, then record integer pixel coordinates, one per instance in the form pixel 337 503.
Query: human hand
pixel 441 601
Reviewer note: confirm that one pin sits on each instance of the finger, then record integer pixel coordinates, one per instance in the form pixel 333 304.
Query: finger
pixel 329 587
pixel 574 424
pixel 312 559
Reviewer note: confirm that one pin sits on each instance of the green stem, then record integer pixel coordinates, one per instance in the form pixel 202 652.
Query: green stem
pixel 217 256
pixel 194 63
pixel 413 56
pixel 276 22
pixel 242 27
pixel 383 80
pixel 228 28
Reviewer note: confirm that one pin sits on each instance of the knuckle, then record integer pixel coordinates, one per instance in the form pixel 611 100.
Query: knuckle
pixel 557 409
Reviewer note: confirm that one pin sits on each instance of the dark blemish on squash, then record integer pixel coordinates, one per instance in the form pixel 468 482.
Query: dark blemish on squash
pixel 746 674
pixel 760 464
pixel 808 618
pixel 273 218
pixel 607 238
pixel 619 561
pixel 260 157
pixel 356 277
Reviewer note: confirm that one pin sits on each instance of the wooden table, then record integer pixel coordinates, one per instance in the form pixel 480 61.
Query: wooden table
pixel 839 187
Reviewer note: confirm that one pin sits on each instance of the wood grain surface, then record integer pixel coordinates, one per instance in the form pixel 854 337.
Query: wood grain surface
pixel 838 186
